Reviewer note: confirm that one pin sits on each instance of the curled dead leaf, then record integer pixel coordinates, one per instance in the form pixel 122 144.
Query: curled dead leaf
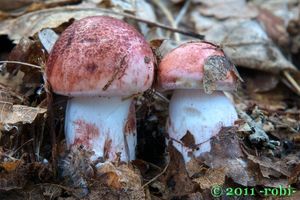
pixel 12 114
pixel 29 24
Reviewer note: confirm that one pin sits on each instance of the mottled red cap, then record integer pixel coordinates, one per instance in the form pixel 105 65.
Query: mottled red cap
pixel 100 56
pixel 197 65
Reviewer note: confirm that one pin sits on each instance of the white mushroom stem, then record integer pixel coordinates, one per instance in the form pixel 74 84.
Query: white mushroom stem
pixel 195 117
pixel 105 125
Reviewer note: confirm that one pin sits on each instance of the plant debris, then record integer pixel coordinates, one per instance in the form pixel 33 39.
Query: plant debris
pixel 260 37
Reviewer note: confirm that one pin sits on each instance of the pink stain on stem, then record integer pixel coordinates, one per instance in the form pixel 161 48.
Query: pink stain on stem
pixel 85 133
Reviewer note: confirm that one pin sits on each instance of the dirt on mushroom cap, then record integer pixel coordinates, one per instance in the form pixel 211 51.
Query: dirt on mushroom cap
pixel 189 66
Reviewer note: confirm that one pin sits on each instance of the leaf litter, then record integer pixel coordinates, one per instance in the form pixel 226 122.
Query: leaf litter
pixel 261 150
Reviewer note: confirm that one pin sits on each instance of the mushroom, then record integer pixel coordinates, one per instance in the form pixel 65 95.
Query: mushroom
pixel 197 112
pixel 101 62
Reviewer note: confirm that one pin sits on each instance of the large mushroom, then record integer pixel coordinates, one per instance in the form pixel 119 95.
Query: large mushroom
pixel 101 62
pixel 197 112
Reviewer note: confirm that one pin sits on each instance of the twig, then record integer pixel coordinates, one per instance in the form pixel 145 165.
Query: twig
pixel 150 23
pixel 292 81
pixel 188 33
pixel 154 166
pixel 21 147
pixel 151 164
pixel 152 91
pixel 20 63
pixel 158 175
pixel 182 12
pixel 8 156
pixel 51 124
pixel 40 141
pixel 68 189
pixel 161 96
pixel 169 16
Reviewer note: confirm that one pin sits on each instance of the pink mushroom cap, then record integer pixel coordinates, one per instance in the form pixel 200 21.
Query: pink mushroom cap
pixel 100 56
pixel 184 67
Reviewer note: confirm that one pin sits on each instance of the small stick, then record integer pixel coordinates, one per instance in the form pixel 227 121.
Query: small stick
pixel 51 124
pixel 20 63
pixel 13 153
pixel 169 16
pixel 182 12
pixel 158 175
pixel 152 91
pixel 161 96
pixel 188 33
pixel 292 81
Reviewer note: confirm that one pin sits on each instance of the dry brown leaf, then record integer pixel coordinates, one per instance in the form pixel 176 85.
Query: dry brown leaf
pixel 215 69
pixel 294 32
pixel 269 173
pixel 26 80
pixel 10 166
pixel 22 174
pixel 227 154
pixel 120 177
pixel 16 8
pixel 210 178
pixel 248 45
pixel 119 5
pixel 279 166
pixel 261 81
pixel 175 182
pixel 16 4
pixel 244 42
pixel 266 182
pixel 31 5
pixel 220 9
pixel 31 23
pixel 295 174
pixel 118 180
pixel 12 114
pixel 14 178
pixel 286 10
pixel 28 51
pixel 295 196
pixel 274 27
pixel 8 97
pixel 11 181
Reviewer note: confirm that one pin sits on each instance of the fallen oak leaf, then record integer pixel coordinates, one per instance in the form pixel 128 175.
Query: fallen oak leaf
pixel 216 69
pixel 266 162
pixel 29 24
pixel 12 114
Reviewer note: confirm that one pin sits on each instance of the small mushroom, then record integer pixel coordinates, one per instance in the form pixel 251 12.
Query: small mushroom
pixel 197 112
pixel 101 62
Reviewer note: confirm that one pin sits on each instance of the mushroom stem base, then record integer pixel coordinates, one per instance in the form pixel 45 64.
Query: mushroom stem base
pixel 195 117
pixel 100 124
